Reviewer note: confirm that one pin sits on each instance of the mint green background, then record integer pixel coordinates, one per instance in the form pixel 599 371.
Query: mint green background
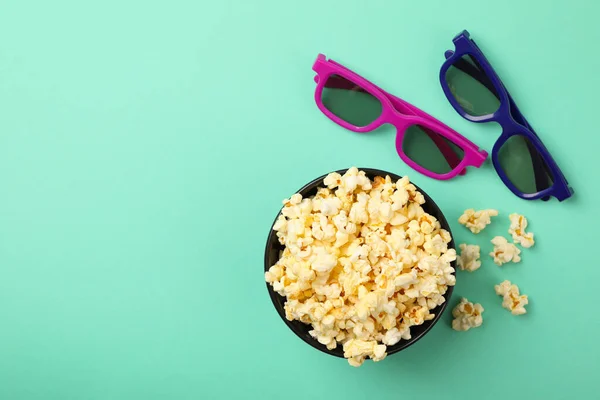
pixel 145 147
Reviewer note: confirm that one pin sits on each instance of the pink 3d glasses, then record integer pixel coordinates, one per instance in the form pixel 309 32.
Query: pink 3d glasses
pixel 423 142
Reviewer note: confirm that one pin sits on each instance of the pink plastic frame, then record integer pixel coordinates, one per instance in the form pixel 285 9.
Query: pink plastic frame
pixel 402 115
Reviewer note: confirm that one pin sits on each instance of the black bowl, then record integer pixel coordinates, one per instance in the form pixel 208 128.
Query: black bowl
pixel 301 329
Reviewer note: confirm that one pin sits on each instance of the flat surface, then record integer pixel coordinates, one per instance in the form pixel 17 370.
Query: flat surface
pixel 144 151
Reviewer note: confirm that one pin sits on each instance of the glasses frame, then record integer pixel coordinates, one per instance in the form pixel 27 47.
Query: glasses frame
pixel 509 117
pixel 401 115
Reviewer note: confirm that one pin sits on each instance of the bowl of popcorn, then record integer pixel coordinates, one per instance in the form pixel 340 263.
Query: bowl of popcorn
pixel 360 264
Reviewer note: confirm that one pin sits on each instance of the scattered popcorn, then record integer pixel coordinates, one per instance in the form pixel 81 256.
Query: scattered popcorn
pixel 518 224
pixel 469 257
pixel 467 315
pixel 504 252
pixel 513 300
pixel 362 263
pixel 476 221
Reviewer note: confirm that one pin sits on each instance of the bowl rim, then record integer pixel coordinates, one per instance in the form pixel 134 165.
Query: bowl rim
pixel 402 344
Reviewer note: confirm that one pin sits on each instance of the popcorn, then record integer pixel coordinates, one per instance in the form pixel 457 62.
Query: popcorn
pixel 356 350
pixel 469 257
pixel 362 263
pixel 358 212
pixel 394 335
pixel 296 199
pixel 512 299
pixel 435 246
pixel 354 178
pixel 333 180
pixel 504 252
pixel 467 315
pixel 328 206
pixel 518 224
pixel 476 221
pixel 323 261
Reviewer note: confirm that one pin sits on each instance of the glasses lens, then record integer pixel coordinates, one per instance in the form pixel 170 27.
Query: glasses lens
pixel 350 102
pixel 471 87
pixel 431 150
pixel 524 165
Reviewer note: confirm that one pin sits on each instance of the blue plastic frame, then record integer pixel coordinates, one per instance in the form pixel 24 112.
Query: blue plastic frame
pixel 508 117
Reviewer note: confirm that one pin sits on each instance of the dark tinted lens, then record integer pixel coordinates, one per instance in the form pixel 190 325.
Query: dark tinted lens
pixel 524 166
pixel 431 150
pixel 350 102
pixel 471 87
